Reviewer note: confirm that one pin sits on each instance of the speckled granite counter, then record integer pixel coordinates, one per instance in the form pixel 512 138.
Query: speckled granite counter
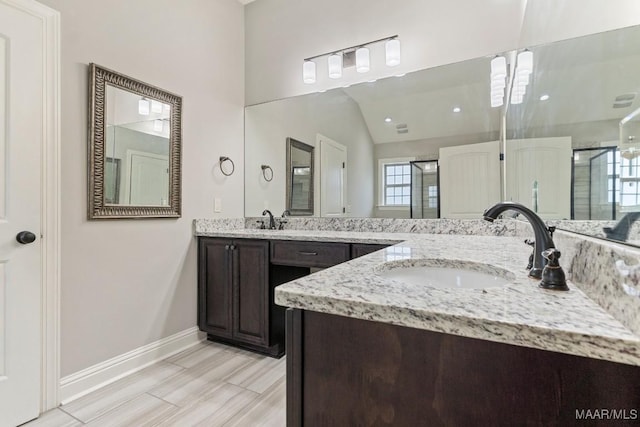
pixel 519 313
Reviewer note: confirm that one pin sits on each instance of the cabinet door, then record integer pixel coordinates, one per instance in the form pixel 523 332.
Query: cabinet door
pixel 251 291
pixel 214 287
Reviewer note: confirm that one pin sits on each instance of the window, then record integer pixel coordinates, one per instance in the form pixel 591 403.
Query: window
pixel 433 196
pixel 626 177
pixel 397 184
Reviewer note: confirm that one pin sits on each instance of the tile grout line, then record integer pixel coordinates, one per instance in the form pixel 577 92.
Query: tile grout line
pixel 71 415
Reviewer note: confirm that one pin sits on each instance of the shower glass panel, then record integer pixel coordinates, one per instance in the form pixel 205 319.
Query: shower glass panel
pixel 425 194
pixel 596 184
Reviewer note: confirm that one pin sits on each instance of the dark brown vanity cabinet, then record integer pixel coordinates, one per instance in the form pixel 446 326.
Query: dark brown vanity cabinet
pixel 234 297
pixel 236 282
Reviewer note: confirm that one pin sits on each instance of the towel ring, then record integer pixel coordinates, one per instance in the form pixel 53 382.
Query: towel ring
pixel 265 173
pixel 233 166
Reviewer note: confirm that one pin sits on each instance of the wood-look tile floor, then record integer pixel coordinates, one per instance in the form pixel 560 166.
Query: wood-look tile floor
pixel 207 385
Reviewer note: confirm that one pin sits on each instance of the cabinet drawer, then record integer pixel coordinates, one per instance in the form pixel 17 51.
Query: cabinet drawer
pixel 360 249
pixel 308 254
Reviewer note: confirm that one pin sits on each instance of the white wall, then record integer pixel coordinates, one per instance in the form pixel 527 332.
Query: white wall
pixel 281 33
pixel 127 283
pixel 334 115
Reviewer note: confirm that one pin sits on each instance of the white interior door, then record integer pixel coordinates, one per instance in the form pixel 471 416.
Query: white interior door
pixel 148 179
pixel 547 163
pixel 21 130
pixel 333 177
pixel 469 179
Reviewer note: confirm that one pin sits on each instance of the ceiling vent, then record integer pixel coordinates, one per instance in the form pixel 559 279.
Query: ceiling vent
pixel 402 128
pixel 624 101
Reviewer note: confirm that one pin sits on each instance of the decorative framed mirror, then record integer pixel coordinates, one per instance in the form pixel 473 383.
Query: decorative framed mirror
pixel 135 139
pixel 300 172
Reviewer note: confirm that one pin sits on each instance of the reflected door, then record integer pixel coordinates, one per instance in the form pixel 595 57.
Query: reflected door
pixel 469 179
pixel 148 179
pixel 333 161
pixel 539 175
pixel 21 103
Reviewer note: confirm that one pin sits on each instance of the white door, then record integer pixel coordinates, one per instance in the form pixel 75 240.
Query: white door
pixel 469 179
pixel 148 179
pixel 544 163
pixel 333 177
pixel 21 130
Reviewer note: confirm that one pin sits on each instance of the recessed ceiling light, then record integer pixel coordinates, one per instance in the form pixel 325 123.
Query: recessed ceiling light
pixel 387 119
pixel 544 97
pixel 457 110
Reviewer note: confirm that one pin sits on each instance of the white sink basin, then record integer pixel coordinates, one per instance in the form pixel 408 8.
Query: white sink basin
pixel 449 274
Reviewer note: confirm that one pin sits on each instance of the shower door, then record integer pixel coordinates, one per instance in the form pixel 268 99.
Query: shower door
pixel 425 193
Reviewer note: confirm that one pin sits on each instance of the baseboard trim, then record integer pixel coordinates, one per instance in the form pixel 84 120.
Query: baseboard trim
pixel 87 380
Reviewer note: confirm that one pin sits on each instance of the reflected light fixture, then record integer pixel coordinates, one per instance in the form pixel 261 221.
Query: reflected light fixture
pixel 524 68
pixel 144 107
pixel 456 109
pixel 387 119
pixel 158 125
pixel 544 97
pixel 156 106
pixel 498 80
pixel 359 55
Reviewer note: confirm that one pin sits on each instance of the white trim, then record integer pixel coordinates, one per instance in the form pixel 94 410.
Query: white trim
pixel 50 199
pixel 89 379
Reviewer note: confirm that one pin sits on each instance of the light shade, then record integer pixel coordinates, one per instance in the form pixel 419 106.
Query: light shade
pixel 498 67
pixel 158 125
pixel 309 72
pixel 362 60
pixel 496 102
pixel 156 106
pixel 335 66
pixel 392 49
pixel 144 107
pixel 525 62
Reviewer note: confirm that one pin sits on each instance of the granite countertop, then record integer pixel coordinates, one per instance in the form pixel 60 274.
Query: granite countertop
pixel 519 313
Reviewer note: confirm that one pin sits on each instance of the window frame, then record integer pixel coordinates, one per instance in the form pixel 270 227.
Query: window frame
pixel 381 182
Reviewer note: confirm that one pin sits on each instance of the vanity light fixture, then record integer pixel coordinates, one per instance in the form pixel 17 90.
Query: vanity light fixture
pixel 392 52
pixel 456 109
pixel 309 72
pixel 358 55
pixel 335 66
pixel 363 64
pixel 544 97
pixel 498 79
pixel 158 125
pixel 143 107
pixel 524 68
pixel 156 106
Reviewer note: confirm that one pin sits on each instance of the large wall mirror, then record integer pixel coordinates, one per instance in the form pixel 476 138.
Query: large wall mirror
pixel 134 148
pixel 557 151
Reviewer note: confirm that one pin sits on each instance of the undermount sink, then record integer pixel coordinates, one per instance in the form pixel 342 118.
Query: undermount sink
pixel 450 274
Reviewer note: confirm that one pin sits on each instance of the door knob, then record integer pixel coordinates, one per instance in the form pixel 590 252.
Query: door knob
pixel 25 237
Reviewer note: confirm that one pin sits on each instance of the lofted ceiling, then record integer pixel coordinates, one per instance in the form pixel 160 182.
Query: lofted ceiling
pixel 582 77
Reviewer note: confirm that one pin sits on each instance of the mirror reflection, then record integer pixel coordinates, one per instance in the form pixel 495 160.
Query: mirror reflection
pixel 135 145
pixel 300 177
pixel 136 149
pixel 567 149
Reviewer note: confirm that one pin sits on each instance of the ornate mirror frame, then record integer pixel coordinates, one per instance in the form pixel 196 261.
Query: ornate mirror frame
pixel 99 77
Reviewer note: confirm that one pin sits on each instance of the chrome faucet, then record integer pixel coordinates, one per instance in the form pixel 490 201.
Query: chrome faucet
pixel 272 221
pixel 621 230
pixel 552 275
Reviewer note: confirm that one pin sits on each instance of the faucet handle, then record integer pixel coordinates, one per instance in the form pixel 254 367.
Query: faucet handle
pixel 552 229
pixel 261 224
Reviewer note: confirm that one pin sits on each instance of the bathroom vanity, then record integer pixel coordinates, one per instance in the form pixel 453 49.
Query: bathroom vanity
pixel 365 349
pixel 237 276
